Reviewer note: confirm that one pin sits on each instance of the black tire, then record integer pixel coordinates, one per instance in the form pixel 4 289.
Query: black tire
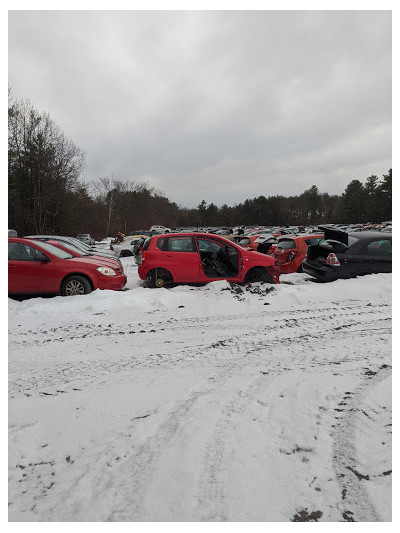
pixel 300 269
pixel 75 285
pixel 258 274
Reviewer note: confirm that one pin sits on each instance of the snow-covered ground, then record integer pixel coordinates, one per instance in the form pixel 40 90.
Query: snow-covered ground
pixel 203 403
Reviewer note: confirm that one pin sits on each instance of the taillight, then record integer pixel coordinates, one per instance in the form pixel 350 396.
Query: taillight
pixel 332 260
pixel 111 247
pixel 290 256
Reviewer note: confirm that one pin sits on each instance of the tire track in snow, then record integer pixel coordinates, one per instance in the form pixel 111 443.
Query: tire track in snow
pixel 227 355
pixel 289 331
pixel 356 505
pixel 276 320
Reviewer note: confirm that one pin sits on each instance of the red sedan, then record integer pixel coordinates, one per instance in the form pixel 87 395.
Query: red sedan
pixel 76 252
pixel 39 268
pixel 200 258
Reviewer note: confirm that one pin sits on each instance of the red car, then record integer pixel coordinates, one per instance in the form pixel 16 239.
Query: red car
pixel 76 252
pixel 290 251
pixel 200 258
pixel 38 268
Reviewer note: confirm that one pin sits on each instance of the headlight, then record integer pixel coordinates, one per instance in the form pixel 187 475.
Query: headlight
pixel 107 271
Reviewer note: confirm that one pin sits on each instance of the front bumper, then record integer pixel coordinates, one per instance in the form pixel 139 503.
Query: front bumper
pixel 112 283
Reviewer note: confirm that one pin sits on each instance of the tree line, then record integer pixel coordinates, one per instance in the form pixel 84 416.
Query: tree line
pixel 47 193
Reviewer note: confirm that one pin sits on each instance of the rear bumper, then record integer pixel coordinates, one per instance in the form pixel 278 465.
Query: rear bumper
pixel 321 272
pixel 288 268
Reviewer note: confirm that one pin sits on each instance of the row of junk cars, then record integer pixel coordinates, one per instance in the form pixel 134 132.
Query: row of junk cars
pixel 50 264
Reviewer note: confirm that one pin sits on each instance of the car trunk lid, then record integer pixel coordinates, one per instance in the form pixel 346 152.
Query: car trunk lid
pixel 335 234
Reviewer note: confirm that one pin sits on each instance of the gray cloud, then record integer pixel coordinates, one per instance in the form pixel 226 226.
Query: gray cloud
pixel 214 105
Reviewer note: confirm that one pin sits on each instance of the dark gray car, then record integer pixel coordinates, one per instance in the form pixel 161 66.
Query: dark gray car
pixel 347 255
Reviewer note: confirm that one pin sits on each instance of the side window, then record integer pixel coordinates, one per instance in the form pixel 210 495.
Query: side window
pixel 161 244
pixel 180 244
pixel 208 246
pixel 382 247
pixel 231 250
pixel 18 251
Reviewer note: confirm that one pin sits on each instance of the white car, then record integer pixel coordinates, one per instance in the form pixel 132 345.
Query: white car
pixel 85 237
pixel 128 246
pixel 160 229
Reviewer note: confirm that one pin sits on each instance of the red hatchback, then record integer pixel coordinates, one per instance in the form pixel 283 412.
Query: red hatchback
pixel 38 268
pixel 290 251
pixel 200 258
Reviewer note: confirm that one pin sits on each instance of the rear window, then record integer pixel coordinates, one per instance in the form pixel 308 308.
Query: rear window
pixel 287 244
pixel 313 240
pixel 352 240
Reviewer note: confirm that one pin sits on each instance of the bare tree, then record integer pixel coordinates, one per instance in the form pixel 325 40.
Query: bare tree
pixel 42 166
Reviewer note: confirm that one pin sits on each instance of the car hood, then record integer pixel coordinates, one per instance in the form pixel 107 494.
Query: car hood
pixel 95 262
pixel 104 260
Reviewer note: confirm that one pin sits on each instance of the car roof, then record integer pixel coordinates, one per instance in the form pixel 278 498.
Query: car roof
pixel 25 240
pixel 368 234
pixel 301 236
pixel 192 234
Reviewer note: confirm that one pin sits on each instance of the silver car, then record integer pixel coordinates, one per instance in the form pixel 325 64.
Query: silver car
pixel 85 237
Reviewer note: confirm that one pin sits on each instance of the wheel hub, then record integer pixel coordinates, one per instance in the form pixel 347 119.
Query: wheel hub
pixel 74 287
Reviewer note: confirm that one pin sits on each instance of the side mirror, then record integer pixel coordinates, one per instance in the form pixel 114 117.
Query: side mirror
pixel 41 258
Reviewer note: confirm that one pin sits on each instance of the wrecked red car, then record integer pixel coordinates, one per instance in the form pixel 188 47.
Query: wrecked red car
pixel 201 258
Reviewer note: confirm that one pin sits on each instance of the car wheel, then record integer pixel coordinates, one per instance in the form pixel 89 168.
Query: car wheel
pixel 75 285
pixel 159 278
pixel 258 274
pixel 300 269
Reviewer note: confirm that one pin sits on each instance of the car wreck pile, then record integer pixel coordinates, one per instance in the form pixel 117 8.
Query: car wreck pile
pixel 48 264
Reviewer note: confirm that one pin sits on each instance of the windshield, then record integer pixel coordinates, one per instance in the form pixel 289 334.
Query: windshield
pixel 62 254
pixel 74 248
pixel 79 244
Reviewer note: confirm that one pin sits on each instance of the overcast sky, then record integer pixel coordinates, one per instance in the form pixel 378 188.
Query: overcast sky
pixel 213 105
